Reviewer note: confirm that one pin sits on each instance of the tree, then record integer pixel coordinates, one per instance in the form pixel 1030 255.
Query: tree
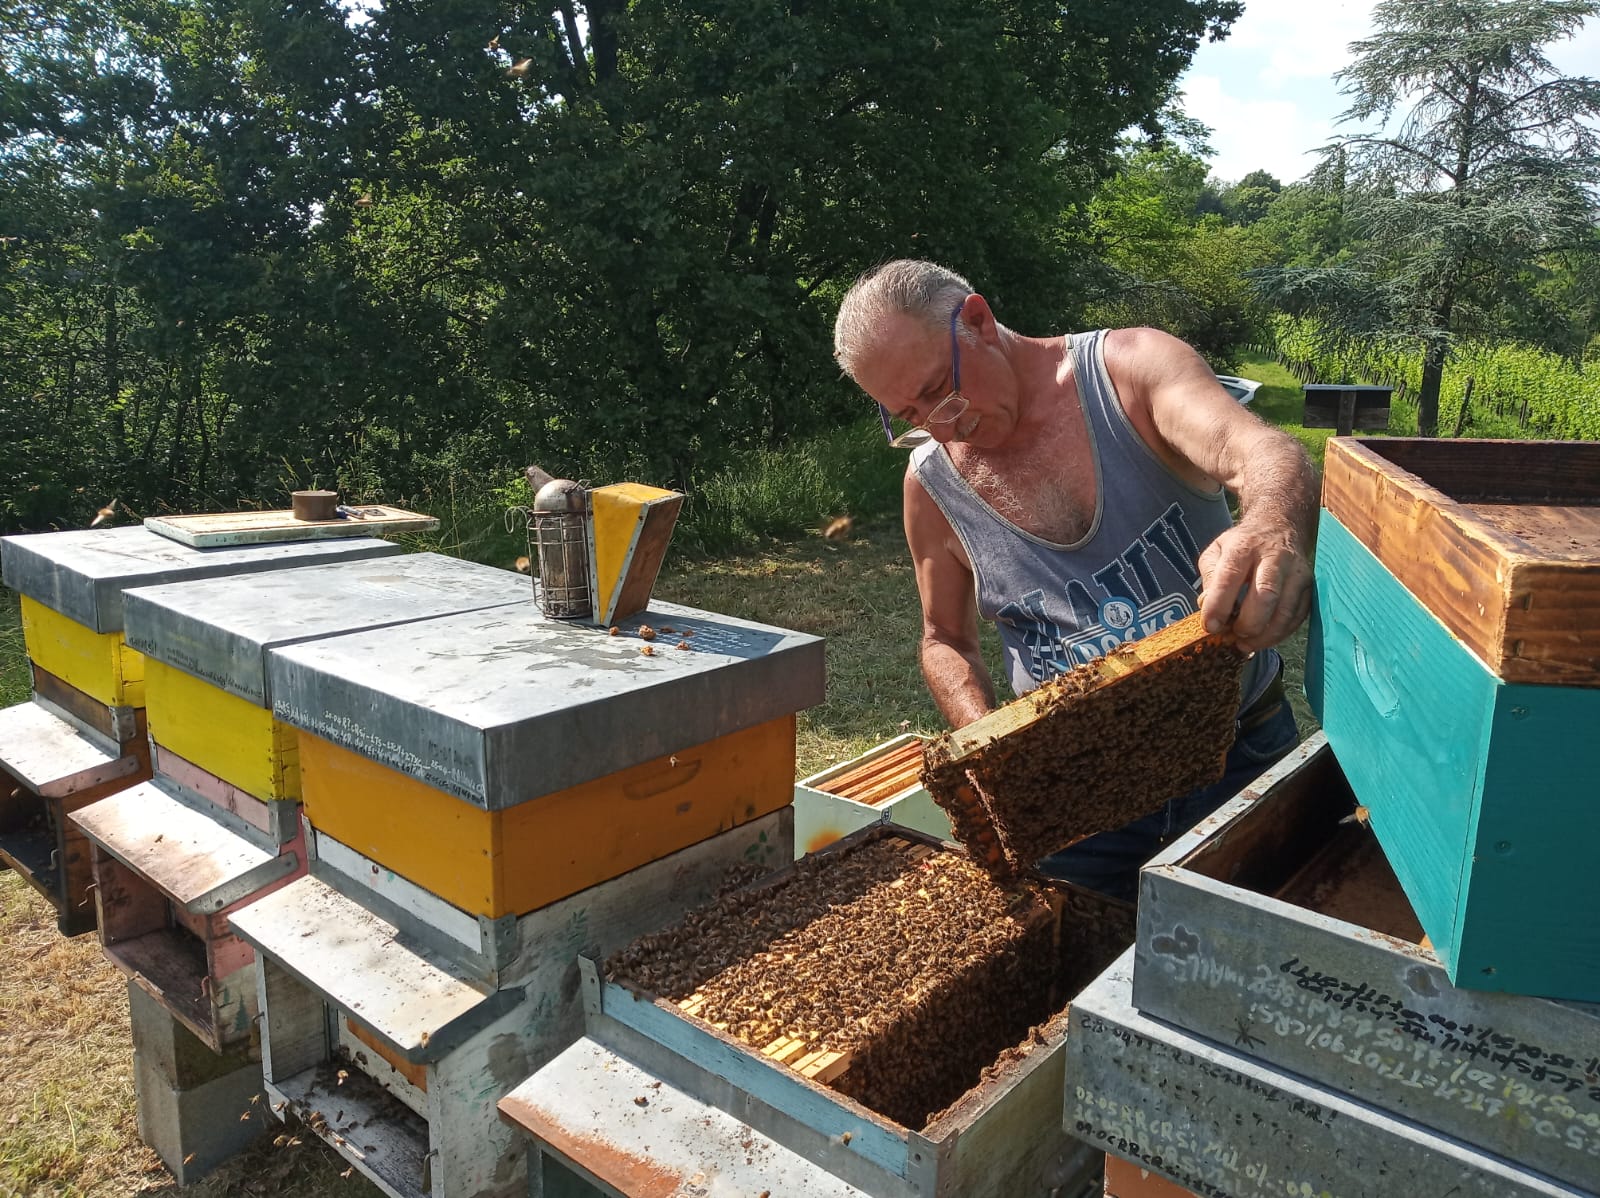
pixel 1247 200
pixel 1161 260
pixel 1491 168
pixel 604 235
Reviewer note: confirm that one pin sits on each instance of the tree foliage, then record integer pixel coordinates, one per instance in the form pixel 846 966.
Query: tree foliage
pixel 1455 213
pixel 1162 260
pixel 251 245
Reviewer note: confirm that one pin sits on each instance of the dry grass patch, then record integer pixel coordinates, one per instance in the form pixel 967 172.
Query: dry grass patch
pixel 67 1119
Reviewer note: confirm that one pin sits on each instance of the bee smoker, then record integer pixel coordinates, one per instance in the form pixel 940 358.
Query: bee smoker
pixel 559 529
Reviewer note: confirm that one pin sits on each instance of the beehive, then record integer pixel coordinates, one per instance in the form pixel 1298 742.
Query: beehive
pixel 1276 931
pixel 883 785
pixel 83 734
pixel 886 973
pixel 1481 790
pixel 1090 750
pixel 501 760
pixel 1209 1117
pixel 873 971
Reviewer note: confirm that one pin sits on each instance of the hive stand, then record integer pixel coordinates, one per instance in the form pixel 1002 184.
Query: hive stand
pixel 82 736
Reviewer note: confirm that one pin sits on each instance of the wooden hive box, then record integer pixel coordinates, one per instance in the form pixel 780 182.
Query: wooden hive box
pixel 501 760
pixel 83 736
pixel 1277 931
pixel 1500 540
pixel 883 785
pixel 689 1066
pixel 1209 1117
pixel 391 1024
pixel 1481 790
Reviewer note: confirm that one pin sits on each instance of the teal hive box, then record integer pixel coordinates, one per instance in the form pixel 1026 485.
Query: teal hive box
pixel 1485 794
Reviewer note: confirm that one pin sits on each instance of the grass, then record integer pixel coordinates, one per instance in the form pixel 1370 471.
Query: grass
pixel 67 1120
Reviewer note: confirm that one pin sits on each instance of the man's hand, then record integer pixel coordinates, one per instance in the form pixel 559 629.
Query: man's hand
pixel 1256 583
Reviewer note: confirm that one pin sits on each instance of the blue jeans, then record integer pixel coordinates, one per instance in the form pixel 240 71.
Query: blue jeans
pixel 1109 862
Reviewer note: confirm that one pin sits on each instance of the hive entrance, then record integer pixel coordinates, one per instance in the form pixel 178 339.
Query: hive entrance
pixel 891 970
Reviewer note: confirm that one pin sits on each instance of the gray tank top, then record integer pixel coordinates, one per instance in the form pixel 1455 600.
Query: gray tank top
pixel 1135 571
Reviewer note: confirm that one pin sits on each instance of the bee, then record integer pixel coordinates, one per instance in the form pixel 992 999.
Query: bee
pixel 647 651
pixel 646 633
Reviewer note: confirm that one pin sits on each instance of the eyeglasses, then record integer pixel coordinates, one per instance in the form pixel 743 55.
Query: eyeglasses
pixel 946 411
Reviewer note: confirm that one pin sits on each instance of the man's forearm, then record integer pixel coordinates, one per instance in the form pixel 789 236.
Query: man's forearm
pixel 959 682
pixel 1280 490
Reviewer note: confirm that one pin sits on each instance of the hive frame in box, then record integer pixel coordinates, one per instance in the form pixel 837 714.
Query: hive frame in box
pixel 433 1029
pixel 1347 1007
pixel 1224 1125
pixel 994 1142
pixel 822 816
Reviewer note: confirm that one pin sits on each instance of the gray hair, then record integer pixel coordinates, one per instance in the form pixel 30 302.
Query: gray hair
pixel 924 291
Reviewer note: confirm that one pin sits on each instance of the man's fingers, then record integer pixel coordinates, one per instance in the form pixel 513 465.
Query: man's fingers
pixel 1223 583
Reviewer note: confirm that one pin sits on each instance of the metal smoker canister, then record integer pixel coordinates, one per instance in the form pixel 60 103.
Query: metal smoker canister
pixel 559 530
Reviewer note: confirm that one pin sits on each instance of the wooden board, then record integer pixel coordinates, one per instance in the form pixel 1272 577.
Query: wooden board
pixel 1498 539
pixel 1072 758
pixel 260 528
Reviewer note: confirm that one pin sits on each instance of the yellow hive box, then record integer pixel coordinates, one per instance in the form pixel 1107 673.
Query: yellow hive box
pixel 514 861
pixel 99 664
pixel 221 733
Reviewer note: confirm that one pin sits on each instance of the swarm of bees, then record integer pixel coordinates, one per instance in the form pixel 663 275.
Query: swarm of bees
pixel 892 953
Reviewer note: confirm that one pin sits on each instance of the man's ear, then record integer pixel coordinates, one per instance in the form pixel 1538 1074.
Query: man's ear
pixel 977 316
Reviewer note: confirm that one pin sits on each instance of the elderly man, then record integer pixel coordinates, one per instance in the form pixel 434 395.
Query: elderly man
pixel 1071 489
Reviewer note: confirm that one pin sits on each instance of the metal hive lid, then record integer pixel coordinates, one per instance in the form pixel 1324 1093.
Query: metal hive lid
pixel 498 707
pixel 220 629
pixel 83 572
